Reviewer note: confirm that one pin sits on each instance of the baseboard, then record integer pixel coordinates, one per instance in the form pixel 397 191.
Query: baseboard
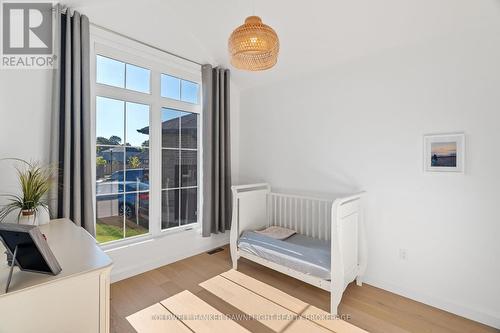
pixel 129 270
pixel 459 310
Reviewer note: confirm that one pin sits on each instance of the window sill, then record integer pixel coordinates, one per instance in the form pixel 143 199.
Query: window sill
pixel 136 240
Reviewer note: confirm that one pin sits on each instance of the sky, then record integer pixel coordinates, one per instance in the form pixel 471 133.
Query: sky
pixel 444 148
pixel 123 119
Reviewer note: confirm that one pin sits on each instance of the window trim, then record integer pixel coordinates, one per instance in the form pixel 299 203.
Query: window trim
pixel 111 45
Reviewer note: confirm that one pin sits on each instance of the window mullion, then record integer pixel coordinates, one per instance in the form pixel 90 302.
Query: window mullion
pixel 180 171
pixel 124 205
pixel 155 153
pixel 122 94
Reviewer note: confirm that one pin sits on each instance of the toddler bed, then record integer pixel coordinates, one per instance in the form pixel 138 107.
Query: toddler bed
pixel 328 249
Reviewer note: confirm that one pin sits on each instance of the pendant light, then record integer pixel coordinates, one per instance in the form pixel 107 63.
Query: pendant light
pixel 254 46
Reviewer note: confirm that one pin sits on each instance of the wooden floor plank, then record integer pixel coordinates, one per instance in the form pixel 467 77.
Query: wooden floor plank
pixel 144 321
pixel 373 323
pixel 238 316
pixel 250 303
pixel 427 318
pixel 302 325
pixel 268 313
pixel 200 316
pixel 289 302
pixel 323 319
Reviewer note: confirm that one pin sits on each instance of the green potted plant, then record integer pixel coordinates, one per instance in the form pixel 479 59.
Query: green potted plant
pixel 35 181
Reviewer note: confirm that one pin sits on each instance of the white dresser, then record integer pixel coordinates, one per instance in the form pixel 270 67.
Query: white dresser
pixel 76 300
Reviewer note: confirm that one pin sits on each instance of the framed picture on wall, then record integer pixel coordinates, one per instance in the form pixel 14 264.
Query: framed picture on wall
pixel 444 153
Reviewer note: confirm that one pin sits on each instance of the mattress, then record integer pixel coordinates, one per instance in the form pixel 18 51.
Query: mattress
pixel 298 252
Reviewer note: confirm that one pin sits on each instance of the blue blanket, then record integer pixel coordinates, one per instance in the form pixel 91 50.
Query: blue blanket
pixel 305 254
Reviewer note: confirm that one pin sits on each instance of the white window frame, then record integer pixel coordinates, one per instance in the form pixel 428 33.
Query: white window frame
pixel 115 46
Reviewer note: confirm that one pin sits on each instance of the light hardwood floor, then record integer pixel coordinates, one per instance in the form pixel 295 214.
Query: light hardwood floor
pixel 370 308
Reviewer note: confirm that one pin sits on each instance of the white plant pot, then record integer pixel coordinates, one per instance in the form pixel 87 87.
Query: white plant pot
pixel 43 217
pixel 28 218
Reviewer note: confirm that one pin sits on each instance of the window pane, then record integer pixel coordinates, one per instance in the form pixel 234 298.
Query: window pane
pixel 170 125
pixel 189 92
pixel 138 78
pixel 109 221
pixel 137 124
pixel 109 169
pixel 170 209
pixel 189 162
pixel 189 130
pixel 170 168
pixel 110 120
pixel 136 212
pixel 137 170
pixel 110 72
pixel 189 205
pixel 170 87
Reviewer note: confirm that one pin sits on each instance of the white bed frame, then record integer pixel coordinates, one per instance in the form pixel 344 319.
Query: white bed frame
pixel 339 220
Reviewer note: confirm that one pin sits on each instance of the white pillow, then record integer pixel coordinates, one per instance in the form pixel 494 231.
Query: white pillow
pixel 277 232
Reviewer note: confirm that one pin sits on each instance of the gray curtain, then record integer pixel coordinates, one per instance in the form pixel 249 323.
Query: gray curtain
pixel 71 133
pixel 216 151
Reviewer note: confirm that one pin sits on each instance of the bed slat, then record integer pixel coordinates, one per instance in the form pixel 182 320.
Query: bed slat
pixel 308 216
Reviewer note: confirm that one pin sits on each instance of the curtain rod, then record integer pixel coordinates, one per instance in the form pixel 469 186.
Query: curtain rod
pixel 145 44
pixel 64 9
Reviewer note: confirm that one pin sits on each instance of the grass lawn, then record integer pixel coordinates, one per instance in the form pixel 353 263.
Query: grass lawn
pixel 109 232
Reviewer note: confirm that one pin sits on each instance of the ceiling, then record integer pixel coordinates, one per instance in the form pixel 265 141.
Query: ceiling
pixel 314 34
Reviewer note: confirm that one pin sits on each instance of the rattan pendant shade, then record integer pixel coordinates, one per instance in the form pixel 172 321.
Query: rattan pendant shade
pixel 254 46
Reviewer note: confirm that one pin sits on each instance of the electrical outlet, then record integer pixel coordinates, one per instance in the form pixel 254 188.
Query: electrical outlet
pixel 403 254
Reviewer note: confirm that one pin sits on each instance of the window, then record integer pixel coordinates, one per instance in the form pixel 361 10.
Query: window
pixel 147 140
pixel 122 169
pixel 179 168
pixel 178 89
pixel 122 75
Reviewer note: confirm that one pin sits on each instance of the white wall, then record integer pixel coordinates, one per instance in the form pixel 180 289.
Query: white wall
pixel 24 120
pixel 360 126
